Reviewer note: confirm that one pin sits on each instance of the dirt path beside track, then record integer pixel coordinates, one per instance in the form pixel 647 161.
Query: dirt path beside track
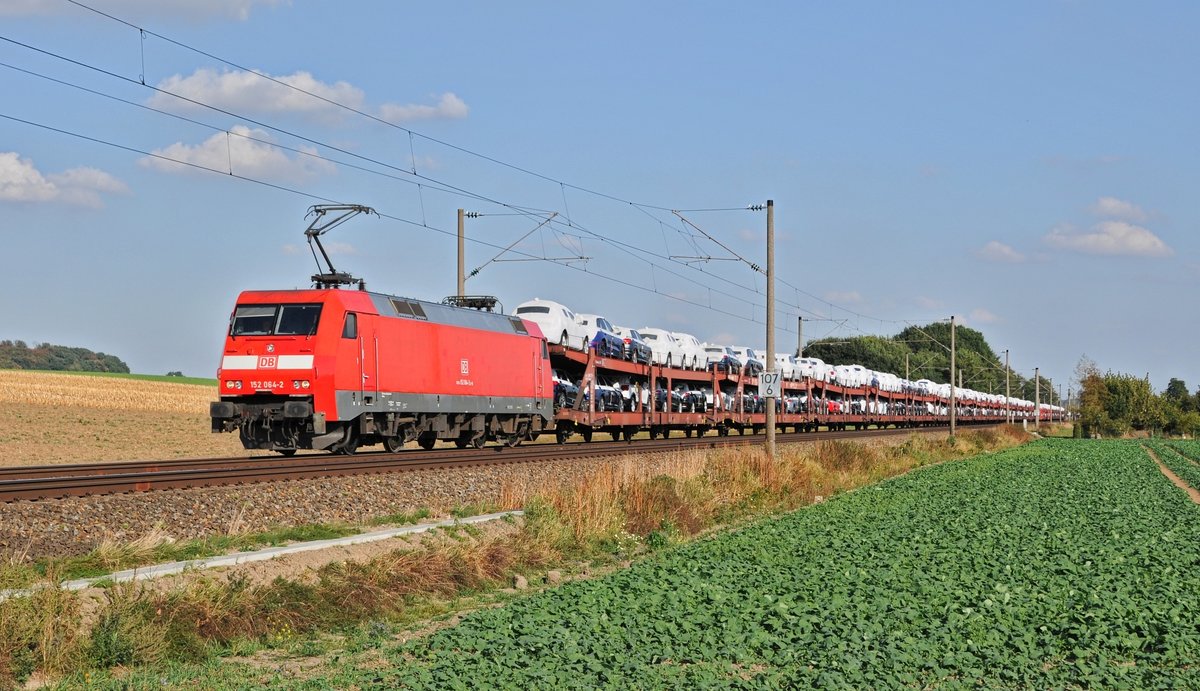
pixel 1192 492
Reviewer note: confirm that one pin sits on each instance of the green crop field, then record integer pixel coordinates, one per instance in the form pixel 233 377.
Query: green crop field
pixel 1061 564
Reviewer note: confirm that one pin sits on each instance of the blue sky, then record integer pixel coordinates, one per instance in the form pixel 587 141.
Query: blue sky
pixel 1025 166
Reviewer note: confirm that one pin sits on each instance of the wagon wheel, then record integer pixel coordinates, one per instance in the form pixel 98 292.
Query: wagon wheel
pixel 286 452
pixel 512 440
pixel 393 444
pixel 560 436
pixel 586 434
pixel 687 432
pixel 426 440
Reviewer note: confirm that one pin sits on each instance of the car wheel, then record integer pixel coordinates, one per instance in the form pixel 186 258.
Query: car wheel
pixel 668 360
pixel 562 340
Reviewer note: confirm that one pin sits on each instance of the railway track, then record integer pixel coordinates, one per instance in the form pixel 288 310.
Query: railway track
pixel 78 480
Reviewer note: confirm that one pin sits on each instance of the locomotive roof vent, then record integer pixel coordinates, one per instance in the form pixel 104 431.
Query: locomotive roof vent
pixel 484 303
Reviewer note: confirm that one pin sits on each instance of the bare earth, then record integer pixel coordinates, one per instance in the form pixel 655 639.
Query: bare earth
pixel 69 418
pixel 1192 492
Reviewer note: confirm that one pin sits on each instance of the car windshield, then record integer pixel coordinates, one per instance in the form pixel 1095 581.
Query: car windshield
pixel 649 337
pixel 275 320
pixel 533 309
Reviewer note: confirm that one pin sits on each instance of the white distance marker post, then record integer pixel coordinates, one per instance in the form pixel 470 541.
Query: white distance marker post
pixel 768 384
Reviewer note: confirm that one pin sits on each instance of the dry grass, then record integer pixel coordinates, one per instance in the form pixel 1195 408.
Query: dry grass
pixel 103 393
pixel 68 418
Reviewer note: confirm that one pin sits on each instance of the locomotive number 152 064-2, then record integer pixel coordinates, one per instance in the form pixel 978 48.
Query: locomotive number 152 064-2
pixel 263 385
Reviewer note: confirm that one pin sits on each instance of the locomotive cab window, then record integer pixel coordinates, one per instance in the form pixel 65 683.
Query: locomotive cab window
pixel 298 320
pixel 275 320
pixel 253 320
pixel 350 326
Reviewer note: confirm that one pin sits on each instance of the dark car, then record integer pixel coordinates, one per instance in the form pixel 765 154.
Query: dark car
pixel 691 400
pixel 565 390
pixel 636 349
pixel 661 396
pixel 608 398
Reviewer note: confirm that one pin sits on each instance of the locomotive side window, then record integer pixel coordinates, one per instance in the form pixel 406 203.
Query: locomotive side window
pixel 350 326
pixel 298 320
pixel 253 320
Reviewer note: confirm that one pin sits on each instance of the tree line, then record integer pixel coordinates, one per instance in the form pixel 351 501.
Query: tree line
pixel 1113 404
pixel 923 352
pixel 46 356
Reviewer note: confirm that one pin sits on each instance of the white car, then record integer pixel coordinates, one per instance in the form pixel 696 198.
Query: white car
pixel 557 323
pixel 602 335
pixel 815 368
pixel 663 348
pixel 787 366
pixel 694 356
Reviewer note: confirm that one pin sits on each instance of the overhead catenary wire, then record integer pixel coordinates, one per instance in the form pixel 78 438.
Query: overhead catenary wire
pixel 444 186
pixel 312 196
pixel 412 133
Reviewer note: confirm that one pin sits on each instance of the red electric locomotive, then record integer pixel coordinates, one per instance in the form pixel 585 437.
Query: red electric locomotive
pixel 337 369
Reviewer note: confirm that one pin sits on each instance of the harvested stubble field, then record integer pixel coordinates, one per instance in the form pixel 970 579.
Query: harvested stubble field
pixel 53 418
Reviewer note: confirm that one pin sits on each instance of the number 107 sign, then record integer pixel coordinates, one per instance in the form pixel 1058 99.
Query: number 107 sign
pixel 768 384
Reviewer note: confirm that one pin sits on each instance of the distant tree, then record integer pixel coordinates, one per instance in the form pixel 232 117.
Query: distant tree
pixel 1177 393
pixel 46 356
pixel 174 373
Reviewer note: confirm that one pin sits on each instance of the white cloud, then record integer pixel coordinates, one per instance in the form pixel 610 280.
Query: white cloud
pixel 449 107
pixel 247 92
pixel 252 159
pixel 21 181
pixel 1110 238
pixel 999 252
pixel 980 315
pixel 191 10
pixel 843 297
pixel 1111 207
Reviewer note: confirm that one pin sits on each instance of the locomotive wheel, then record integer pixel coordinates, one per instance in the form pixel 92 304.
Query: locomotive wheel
pixel 475 442
pixel 393 444
pixel 426 440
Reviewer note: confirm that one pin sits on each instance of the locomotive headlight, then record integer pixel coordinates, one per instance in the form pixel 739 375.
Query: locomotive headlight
pixel 230 384
pixel 295 383
pixel 304 384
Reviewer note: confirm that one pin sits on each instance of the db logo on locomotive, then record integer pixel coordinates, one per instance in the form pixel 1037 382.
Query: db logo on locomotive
pixel 267 361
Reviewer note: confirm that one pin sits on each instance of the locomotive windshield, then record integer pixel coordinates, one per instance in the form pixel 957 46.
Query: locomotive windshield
pixel 275 320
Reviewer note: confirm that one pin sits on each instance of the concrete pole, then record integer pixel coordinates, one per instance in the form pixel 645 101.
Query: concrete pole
pixel 799 337
pixel 1037 397
pixel 771 322
pixel 953 392
pixel 1007 390
pixel 462 256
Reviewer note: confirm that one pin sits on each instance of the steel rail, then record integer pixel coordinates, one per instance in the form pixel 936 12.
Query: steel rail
pixel 77 480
